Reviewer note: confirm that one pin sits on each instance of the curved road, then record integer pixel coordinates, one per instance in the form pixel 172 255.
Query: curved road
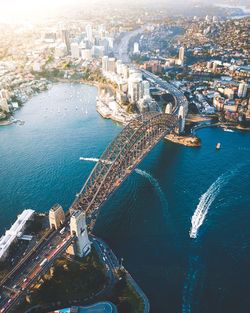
pixel 121 48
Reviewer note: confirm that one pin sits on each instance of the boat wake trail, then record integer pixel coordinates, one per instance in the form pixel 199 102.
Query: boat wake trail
pixel 206 201
pixel 156 185
pixel 95 160
pixel 89 159
pixel 190 283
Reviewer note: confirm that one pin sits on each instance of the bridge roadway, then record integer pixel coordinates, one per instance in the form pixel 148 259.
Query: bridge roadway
pixel 120 158
pixel 117 162
pixel 180 99
pixel 15 285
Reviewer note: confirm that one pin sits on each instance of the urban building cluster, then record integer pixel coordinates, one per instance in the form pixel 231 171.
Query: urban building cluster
pixel 212 63
pixel 131 94
pixel 17 87
pixel 56 52
pixel 87 44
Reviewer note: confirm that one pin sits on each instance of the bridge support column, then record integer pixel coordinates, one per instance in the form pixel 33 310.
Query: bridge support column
pixel 181 120
pixel 82 246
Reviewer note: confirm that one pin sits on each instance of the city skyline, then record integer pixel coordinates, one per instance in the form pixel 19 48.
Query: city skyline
pixel 124 144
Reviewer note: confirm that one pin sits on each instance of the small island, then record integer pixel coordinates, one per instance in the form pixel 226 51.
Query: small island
pixel 187 140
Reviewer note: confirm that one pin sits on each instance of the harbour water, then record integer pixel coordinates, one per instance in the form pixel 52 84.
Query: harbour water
pixel 148 220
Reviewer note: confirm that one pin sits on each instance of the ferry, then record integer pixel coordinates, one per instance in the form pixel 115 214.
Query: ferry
pixel 228 130
pixel 218 146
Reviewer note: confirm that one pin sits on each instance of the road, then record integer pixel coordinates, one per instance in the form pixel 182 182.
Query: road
pixel 27 272
pixel 121 49
pixel 112 264
pixel 180 99
pixel 121 52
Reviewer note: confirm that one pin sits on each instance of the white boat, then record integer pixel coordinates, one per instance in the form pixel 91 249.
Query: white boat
pixel 228 130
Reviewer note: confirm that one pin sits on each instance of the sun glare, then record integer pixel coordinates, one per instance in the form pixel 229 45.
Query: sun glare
pixel 23 9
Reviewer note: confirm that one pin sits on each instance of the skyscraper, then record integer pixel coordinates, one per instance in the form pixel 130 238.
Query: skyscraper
pixel 75 51
pixel 89 32
pixel 135 88
pixel 242 91
pixel 145 87
pixel 181 55
pixel 105 61
pixel 136 48
pixel 65 39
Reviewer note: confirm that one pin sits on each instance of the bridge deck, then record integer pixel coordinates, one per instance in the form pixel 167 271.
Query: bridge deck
pixel 120 158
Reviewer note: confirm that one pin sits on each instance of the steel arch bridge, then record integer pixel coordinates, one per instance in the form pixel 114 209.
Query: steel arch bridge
pixel 120 158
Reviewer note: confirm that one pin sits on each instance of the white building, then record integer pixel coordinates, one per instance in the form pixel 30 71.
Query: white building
pixel 75 50
pixel 78 228
pixel 169 108
pixel 89 32
pixel 86 54
pixel 61 51
pixel 4 94
pixel 145 88
pixel 105 61
pixel 112 65
pixel 14 232
pixel 119 67
pixel 135 89
pixel 147 104
pixel 229 92
pixel 98 51
pixel 242 91
pixel 108 64
pixel 36 67
pixel 125 71
pixel 181 55
pixel 4 105
pixel 136 48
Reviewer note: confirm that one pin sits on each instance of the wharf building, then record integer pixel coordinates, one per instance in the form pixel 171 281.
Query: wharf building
pixel 15 232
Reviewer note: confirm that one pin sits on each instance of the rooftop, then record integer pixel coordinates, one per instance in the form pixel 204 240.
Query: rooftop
pixel 15 231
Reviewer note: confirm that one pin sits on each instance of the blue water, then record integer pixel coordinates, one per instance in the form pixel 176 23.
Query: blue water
pixel 147 221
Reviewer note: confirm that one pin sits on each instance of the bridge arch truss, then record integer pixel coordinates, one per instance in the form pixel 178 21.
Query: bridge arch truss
pixel 120 158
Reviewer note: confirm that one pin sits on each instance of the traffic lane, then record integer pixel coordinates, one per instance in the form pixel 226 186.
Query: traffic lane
pixel 22 264
pixel 103 258
pixel 29 266
pixel 31 279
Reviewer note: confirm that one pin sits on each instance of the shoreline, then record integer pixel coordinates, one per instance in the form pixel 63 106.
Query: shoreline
pixel 184 140
pixel 5 122
pixel 223 126
pixel 8 121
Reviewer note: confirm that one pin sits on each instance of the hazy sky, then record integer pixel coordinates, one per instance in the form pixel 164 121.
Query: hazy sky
pixel 11 9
